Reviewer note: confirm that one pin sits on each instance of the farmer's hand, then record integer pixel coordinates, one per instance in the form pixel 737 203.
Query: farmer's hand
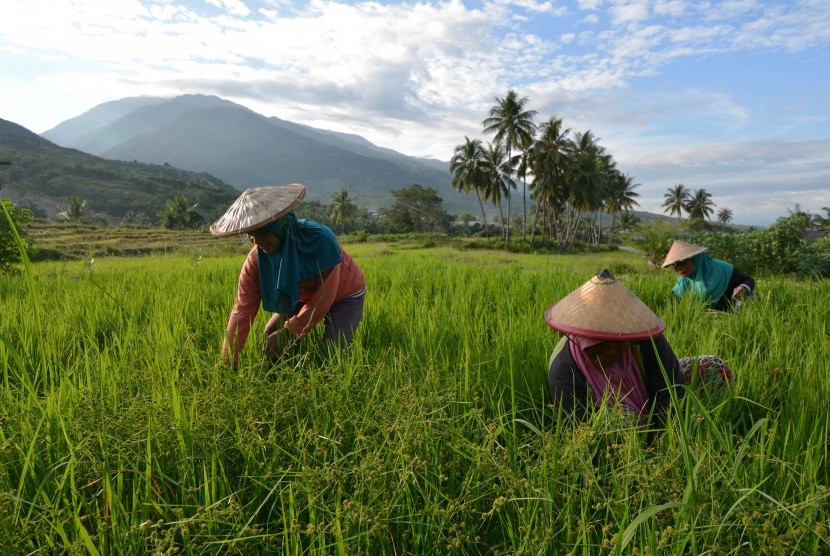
pixel 739 292
pixel 277 343
pixel 228 354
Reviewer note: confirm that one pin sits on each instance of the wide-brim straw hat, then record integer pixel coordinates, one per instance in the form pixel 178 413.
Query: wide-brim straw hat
pixel 680 251
pixel 258 206
pixel 604 309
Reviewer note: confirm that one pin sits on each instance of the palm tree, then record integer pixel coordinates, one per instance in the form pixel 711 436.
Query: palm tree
pixel 522 170
pixel 628 220
pixel 621 198
pixel 700 205
pixel 586 179
pixel 724 217
pixel 75 210
pixel 821 222
pixel 675 200
pixel 469 171
pixel 549 158
pixel 498 181
pixel 513 126
pixel 342 208
pixel 176 215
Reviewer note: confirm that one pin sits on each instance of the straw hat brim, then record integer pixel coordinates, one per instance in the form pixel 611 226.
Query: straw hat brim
pixel 604 309
pixel 680 251
pixel 256 207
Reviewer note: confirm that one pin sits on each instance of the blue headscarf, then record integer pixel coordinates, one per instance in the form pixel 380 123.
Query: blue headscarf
pixel 708 281
pixel 308 250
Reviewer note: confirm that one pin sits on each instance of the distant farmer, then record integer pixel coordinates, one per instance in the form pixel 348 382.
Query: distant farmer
pixel 296 269
pixel 717 283
pixel 614 351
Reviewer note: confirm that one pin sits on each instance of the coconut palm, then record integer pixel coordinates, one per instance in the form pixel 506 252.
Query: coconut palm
pixel 700 205
pixel 498 180
pixel 342 208
pixel 513 125
pixel 177 215
pixel 621 197
pixel 469 171
pixel 724 217
pixel 586 179
pixel 674 201
pixel 75 210
pixel 549 158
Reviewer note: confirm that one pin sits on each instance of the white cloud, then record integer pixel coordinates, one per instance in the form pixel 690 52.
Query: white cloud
pixel 418 76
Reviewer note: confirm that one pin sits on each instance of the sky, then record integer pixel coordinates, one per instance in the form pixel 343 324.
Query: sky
pixel 729 96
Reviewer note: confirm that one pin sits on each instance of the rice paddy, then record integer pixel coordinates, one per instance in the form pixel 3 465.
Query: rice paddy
pixel 122 433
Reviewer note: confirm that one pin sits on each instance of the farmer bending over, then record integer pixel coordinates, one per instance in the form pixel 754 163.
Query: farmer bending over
pixel 296 269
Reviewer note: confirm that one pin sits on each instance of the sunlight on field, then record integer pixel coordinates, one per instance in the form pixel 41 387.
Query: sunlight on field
pixel 123 434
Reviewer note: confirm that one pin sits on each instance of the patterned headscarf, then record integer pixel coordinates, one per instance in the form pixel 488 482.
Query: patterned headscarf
pixel 621 381
pixel 308 249
pixel 708 281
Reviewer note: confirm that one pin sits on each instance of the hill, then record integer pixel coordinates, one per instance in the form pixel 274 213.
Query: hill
pixel 43 175
pixel 209 134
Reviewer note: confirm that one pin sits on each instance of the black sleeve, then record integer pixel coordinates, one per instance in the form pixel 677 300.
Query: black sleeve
pixel 654 356
pixel 738 278
pixel 567 385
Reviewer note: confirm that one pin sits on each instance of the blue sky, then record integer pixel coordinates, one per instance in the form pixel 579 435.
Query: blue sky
pixel 731 96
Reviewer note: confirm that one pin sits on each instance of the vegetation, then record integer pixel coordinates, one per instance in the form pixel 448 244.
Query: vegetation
pixel 122 433
pixel 777 249
pixel 178 215
pixel 417 209
pixel 14 234
pixel 574 179
pixel 43 175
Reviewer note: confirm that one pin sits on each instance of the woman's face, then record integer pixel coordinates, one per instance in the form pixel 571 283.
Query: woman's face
pixel 607 353
pixel 684 268
pixel 267 241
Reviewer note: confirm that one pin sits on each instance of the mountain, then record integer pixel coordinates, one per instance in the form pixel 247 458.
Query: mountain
pixel 209 134
pixel 42 175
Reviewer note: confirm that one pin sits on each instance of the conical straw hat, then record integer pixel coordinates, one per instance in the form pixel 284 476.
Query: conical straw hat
pixel 256 207
pixel 604 309
pixel 680 251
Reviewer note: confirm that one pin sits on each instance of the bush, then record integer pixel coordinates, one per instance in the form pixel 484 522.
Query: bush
pixel 9 250
pixel 654 240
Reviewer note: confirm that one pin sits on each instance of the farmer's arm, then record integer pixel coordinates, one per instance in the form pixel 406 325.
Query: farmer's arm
pixel 323 294
pixel 248 299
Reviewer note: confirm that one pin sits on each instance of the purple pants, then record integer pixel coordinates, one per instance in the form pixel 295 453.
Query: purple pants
pixel 341 322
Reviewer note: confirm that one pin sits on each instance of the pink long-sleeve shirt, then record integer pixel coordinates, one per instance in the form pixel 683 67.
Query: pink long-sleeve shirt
pixel 317 296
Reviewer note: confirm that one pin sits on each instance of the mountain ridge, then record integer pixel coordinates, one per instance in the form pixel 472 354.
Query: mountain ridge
pixel 43 175
pixel 244 148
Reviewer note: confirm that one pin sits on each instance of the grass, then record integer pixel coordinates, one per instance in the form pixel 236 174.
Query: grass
pixel 123 434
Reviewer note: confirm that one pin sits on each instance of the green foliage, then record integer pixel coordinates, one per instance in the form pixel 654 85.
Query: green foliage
pixel 9 250
pixel 654 240
pixel 177 215
pixel 75 210
pixel 417 209
pixel 432 435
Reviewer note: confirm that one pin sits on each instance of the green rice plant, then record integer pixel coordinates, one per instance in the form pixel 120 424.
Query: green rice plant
pixel 121 431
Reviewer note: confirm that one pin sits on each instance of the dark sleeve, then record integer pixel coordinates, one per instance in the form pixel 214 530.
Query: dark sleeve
pixel 738 278
pixel 725 303
pixel 567 385
pixel 658 357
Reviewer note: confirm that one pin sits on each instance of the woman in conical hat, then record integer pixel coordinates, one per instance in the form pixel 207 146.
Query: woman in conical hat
pixel 295 269
pixel 715 282
pixel 614 350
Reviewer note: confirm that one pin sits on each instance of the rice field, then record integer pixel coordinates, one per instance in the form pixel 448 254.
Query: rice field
pixel 122 433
